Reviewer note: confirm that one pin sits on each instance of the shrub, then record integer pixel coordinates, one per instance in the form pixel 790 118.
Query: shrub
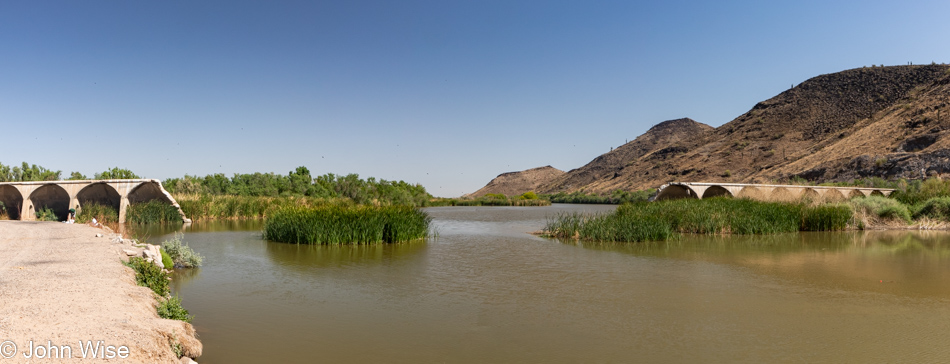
pixel 166 259
pixel 881 207
pixel 46 214
pixel 880 162
pixel 530 195
pixel 935 208
pixel 171 309
pixel 149 275
pixel 180 254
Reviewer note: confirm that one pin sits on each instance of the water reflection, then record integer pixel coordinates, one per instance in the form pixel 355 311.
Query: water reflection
pixel 183 276
pixel 148 232
pixel 307 257
pixel 907 263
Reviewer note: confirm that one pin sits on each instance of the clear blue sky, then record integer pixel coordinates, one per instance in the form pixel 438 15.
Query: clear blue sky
pixel 444 93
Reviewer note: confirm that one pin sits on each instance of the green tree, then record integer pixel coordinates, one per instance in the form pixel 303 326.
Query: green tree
pixel 75 176
pixel 117 173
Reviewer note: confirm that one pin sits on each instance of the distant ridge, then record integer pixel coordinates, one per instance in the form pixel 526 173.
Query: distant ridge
pixel 516 183
pixel 889 122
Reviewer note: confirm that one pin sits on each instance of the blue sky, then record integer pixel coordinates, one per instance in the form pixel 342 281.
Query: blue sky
pixel 444 93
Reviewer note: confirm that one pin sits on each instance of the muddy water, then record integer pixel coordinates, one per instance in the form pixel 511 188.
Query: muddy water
pixel 485 291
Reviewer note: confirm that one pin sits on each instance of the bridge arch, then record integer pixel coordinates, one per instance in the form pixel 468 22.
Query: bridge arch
pixel 51 196
pixel 716 191
pixel 751 193
pixel 835 195
pixel 12 201
pixel 855 193
pixel 782 194
pixel 673 192
pixel 148 191
pixel 811 194
pixel 99 193
pixel 877 193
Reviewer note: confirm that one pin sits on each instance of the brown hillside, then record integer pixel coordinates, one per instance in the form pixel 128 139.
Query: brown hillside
pixel 664 137
pixel 888 122
pixel 516 183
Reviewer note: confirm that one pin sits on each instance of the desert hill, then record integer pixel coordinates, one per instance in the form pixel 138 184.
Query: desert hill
pixel 516 183
pixel 888 122
pixel 661 138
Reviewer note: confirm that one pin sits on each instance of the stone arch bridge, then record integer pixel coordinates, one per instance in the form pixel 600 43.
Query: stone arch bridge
pixel 700 190
pixel 23 199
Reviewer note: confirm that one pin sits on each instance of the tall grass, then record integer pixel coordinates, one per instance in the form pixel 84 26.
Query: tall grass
pixel 826 217
pixel 152 212
pixel 661 220
pixel 206 207
pixel 338 224
pixel 102 213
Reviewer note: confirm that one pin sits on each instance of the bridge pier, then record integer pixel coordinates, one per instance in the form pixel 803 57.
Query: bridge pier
pixel 123 208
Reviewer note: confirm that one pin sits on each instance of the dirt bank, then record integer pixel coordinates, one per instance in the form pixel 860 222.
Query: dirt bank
pixel 62 286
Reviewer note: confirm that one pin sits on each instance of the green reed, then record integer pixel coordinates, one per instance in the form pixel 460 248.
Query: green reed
pixel 342 224
pixel 206 207
pixel 662 220
pixel 102 213
pixel 152 212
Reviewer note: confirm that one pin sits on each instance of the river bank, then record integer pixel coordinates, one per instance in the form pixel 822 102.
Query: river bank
pixel 62 288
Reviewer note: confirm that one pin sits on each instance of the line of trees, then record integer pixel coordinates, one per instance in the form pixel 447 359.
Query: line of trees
pixel 27 172
pixel 30 172
pixel 299 182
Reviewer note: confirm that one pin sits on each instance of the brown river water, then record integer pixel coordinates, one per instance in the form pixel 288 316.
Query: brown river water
pixel 485 291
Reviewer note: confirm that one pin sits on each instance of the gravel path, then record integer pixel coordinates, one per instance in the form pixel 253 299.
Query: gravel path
pixel 62 285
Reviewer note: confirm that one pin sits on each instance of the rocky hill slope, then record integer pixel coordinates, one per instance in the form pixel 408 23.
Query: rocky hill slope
pixel 516 183
pixel 662 138
pixel 888 122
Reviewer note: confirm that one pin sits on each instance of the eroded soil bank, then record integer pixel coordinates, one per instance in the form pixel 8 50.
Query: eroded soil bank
pixel 62 288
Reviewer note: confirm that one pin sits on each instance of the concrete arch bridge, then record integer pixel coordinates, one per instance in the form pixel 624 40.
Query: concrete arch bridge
pixel 23 199
pixel 700 190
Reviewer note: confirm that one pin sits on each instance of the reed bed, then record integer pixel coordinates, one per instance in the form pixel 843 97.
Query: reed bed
pixel 663 220
pixel 339 224
pixel 102 213
pixel 152 212
pixel 205 207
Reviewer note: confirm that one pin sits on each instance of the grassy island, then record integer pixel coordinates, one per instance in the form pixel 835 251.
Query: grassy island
pixel 346 224
pixel 662 220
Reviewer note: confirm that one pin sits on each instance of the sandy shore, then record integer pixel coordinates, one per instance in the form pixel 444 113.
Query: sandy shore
pixel 62 286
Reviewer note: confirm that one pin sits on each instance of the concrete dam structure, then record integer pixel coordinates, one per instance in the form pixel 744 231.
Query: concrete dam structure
pixel 23 199
pixel 700 190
